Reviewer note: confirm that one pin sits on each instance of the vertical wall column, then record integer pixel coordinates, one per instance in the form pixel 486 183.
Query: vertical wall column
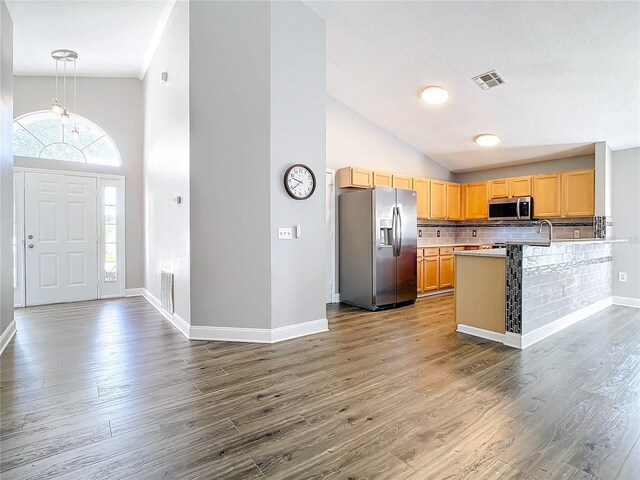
pixel 257 106
pixel 602 221
pixel 7 324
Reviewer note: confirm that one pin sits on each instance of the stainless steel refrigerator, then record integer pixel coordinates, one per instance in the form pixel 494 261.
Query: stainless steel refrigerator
pixel 378 230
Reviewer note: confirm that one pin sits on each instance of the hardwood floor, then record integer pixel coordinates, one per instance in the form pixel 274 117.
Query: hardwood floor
pixel 110 390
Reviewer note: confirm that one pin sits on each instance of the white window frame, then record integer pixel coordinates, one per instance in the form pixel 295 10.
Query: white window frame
pixel 18 195
pixel 105 289
pixel 117 288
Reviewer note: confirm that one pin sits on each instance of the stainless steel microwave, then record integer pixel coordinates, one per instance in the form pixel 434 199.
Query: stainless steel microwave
pixel 519 208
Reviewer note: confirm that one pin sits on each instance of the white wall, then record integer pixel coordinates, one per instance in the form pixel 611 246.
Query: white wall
pixel 6 168
pixel 114 104
pixel 229 91
pixel 626 221
pixel 298 118
pixel 257 106
pixel 547 166
pixel 354 140
pixel 166 162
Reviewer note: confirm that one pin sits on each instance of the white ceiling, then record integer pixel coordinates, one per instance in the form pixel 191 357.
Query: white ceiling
pixel 572 72
pixel 114 38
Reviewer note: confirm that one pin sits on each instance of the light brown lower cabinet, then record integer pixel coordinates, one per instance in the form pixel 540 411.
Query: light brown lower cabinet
pixel 446 271
pixel 431 275
pixel 427 269
pixel 435 268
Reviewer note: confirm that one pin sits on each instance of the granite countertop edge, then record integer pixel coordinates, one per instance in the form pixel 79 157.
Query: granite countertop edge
pixel 566 240
pixel 494 252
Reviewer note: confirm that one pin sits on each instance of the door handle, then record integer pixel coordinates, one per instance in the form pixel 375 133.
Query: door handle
pixel 394 229
pixel 399 231
pixel 30 245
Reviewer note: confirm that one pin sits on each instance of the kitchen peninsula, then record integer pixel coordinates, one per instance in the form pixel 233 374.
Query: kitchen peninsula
pixel 530 290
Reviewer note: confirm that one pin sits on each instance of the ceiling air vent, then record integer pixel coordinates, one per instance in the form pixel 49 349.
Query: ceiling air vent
pixel 488 80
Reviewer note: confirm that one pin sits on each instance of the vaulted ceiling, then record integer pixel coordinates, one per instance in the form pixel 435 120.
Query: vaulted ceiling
pixel 572 72
pixel 572 69
pixel 112 38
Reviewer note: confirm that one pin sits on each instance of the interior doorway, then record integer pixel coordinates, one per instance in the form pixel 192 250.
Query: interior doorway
pixel 69 239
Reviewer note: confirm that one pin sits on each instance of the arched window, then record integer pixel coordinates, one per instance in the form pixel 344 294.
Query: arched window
pixel 42 135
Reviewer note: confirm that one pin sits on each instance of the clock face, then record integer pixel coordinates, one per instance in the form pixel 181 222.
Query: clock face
pixel 299 181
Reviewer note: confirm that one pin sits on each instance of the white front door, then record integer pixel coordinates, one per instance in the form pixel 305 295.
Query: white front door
pixel 61 238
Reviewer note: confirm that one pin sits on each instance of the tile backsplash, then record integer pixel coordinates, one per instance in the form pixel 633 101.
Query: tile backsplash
pixel 499 232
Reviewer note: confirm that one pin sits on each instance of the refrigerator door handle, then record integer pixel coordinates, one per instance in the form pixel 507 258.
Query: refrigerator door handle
pixel 399 239
pixel 394 229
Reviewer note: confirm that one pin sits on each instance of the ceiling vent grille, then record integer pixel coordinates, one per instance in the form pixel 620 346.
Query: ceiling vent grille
pixel 488 80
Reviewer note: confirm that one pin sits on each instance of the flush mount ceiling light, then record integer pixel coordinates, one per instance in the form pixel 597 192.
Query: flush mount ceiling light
pixel 487 140
pixel 434 94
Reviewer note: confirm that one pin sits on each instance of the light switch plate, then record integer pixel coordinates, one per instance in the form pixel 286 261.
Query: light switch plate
pixel 285 233
pixel 576 233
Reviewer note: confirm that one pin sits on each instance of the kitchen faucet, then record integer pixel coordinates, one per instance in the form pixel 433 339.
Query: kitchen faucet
pixel 542 222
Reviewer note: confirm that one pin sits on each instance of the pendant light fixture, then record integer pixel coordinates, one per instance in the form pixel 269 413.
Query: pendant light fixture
pixel 75 133
pixel 55 105
pixel 63 56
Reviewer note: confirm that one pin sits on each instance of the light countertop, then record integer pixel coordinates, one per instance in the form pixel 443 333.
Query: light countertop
pixel 493 252
pixel 458 244
pixel 566 240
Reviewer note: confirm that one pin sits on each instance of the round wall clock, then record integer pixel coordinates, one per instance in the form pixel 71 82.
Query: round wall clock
pixel 299 181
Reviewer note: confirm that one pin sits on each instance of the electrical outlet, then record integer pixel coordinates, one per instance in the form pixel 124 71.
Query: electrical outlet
pixel 576 233
pixel 622 276
pixel 438 233
pixel 285 233
pixel 475 233
pixel 420 233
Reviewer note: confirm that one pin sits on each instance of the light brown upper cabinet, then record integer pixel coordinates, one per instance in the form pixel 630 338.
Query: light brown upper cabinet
pixel 547 195
pixel 382 179
pixel 454 210
pixel 476 200
pixel 401 181
pixel 578 190
pixel 421 187
pixel 520 187
pixel 438 199
pixel 499 188
pixel 510 187
pixel 354 177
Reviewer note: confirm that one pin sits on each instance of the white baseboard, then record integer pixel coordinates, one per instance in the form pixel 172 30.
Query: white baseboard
pixel 480 332
pixel 258 335
pixel 279 334
pixel 233 334
pixel 541 333
pixel 513 340
pixel 626 301
pixel 521 342
pixel 7 335
pixel 134 292
pixel 435 292
pixel 336 298
pixel 178 322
